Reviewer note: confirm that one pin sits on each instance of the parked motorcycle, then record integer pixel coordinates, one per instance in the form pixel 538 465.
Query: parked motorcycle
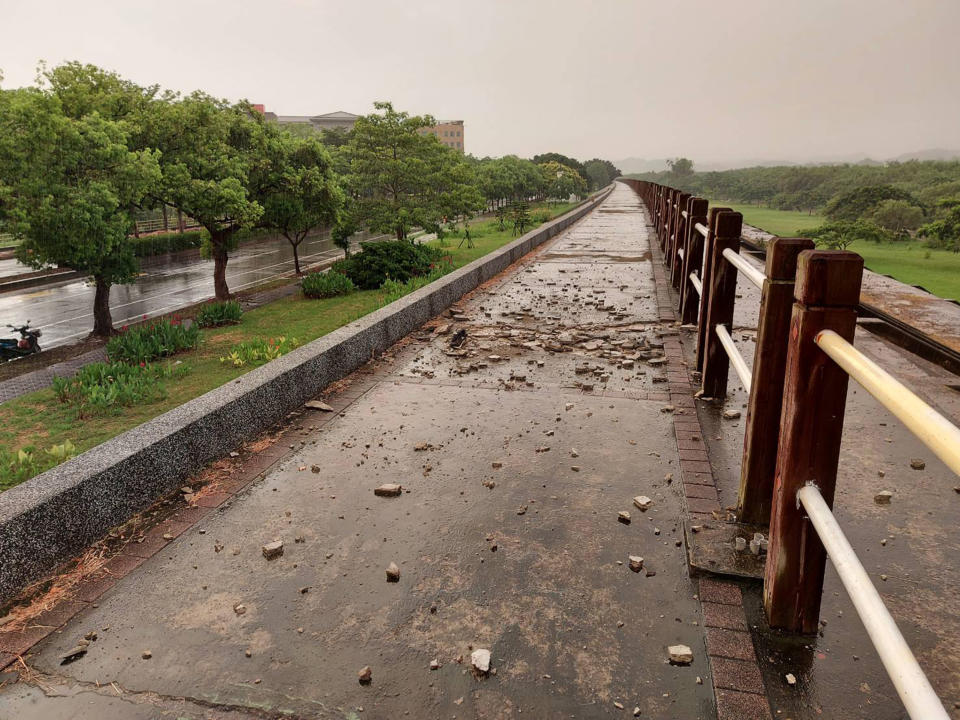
pixel 26 344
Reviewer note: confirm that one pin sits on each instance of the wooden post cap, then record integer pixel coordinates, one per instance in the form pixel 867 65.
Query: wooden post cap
pixel 782 256
pixel 829 278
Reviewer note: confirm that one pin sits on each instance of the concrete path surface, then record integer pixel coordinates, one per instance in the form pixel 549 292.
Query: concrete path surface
pixel 516 451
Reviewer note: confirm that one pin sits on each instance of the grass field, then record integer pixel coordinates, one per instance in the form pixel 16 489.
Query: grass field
pixel 911 262
pixel 39 421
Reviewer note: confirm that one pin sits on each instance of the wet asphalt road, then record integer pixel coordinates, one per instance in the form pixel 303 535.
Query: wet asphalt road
pixel 839 673
pixel 507 537
pixel 65 311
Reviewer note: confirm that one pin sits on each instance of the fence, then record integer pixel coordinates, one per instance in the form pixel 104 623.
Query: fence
pixel 803 358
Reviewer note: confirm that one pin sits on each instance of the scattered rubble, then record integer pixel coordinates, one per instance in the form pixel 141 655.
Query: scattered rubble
pixel 624 517
pixel 365 675
pixel 636 563
pixel 480 659
pixel 388 490
pixel 883 497
pixel 273 549
pixel 393 573
pixel 680 655
pixel 317 405
pixel 643 502
pixel 917 464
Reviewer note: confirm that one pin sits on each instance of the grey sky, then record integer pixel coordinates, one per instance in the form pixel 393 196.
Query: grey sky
pixel 754 79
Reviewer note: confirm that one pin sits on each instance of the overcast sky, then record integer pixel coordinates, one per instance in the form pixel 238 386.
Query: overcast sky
pixel 715 81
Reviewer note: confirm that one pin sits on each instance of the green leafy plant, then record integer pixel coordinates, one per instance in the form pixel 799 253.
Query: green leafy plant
pixel 27 462
pixel 154 340
pixel 219 313
pixel 259 351
pixel 162 243
pixel 393 259
pixel 393 290
pixel 99 388
pixel 324 285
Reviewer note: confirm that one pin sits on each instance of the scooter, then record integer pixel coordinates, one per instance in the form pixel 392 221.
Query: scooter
pixel 27 344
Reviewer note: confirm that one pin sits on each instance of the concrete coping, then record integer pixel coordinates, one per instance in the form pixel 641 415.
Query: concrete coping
pixel 49 518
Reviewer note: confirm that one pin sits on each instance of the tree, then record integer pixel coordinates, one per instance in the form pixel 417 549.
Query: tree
pixel 400 178
pixel 839 234
pixel 69 188
pixel 299 191
pixel 561 181
pixel 897 215
pixel 600 173
pixel 681 167
pixel 563 160
pixel 860 202
pixel 212 154
pixel 944 232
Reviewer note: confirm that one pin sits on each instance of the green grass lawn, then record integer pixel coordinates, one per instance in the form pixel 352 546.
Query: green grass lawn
pixel 39 421
pixel 783 223
pixel 911 262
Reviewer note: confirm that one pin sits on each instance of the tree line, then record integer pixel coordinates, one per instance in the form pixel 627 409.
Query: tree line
pixel 877 202
pixel 83 150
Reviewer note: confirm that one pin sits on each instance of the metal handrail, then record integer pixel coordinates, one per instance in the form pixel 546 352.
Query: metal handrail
pixel 908 678
pixel 930 427
pixel 752 274
pixel 736 359
pixel 680 253
pixel 697 285
pixel 702 229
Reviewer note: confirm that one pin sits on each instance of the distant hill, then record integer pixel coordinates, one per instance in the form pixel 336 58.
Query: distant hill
pixel 643 165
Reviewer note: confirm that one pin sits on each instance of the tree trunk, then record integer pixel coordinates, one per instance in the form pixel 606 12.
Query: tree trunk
pixel 102 321
pixel 296 257
pixel 220 289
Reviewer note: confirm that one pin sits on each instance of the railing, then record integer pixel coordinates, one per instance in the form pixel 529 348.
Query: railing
pixel 798 383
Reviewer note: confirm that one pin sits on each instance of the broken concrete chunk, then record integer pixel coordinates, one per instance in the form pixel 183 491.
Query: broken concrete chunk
pixel 240 609
pixel 434 664
pixel 643 502
pixel 318 405
pixel 624 517
pixel 790 678
pixel 636 563
pixel 917 464
pixel 480 659
pixel 365 675
pixel 883 497
pixel 273 549
pixel 731 414
pixel 680 655
pixel 388 490
pixel 73 654
pixel 146 654
pixel 393 573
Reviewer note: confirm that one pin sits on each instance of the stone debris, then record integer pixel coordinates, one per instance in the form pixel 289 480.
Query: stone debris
pixel 917 464
pixel 388 490
pixel 731 414
pixel 75 653
pixel 365 675
pixel 522 510
pixel 741 544
pixel 317 405
pixel 146 654
pixel 791 679
pixel 315 469
pixel 618 705
pixel 643 502
pixel 273 549
pixel 240 609
pixel 680 655
pixel 393 573
pixel 636 711
pixel 480 659
pixel 624 517
pixel 636 563
pixel 883 497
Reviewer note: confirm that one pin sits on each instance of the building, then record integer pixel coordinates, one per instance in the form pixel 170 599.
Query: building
pixel 449 132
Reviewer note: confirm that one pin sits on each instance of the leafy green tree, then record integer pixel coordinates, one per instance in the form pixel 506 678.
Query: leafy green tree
pixel 898 216
pixel 213 154
pixel 69 188
pixel 858 203
pixel 944 232
pixel 520 214
pixel 600 173
pixel 681 167
pixel 561 181
pixel 299 191
pixel 400 177
pixel 839 234
pixel 563 160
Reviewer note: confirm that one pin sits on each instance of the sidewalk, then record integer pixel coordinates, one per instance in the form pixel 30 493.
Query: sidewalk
pixel 516 450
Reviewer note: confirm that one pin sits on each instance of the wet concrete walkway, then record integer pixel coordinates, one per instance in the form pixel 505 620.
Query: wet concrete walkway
pixel 516 451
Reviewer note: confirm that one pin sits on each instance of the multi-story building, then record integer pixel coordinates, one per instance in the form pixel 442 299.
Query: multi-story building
pixel 449 132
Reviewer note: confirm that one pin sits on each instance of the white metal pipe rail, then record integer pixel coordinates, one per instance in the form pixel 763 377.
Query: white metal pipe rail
pixel 908 678
pixel 752 274
pixel 930 427
pixel 702 229
pixel 697 285
pixel 736 359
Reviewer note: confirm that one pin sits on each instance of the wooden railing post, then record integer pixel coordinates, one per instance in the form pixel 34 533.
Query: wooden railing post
pixel 712 217
pixel 680 243
pixel 692 260
pixel 811 424
pixel 673 243
pixel 719 310
pixel 766 399
pixel 669 202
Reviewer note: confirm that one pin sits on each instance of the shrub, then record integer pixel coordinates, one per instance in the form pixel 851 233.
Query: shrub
pixel 392 259
pixel 324 285
pixel 393 290
pixel 219 313
pixel 259 351
pixel 540 216
pixel 163 243
pixel 27 462
pixel 100 387
pixel 151 341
